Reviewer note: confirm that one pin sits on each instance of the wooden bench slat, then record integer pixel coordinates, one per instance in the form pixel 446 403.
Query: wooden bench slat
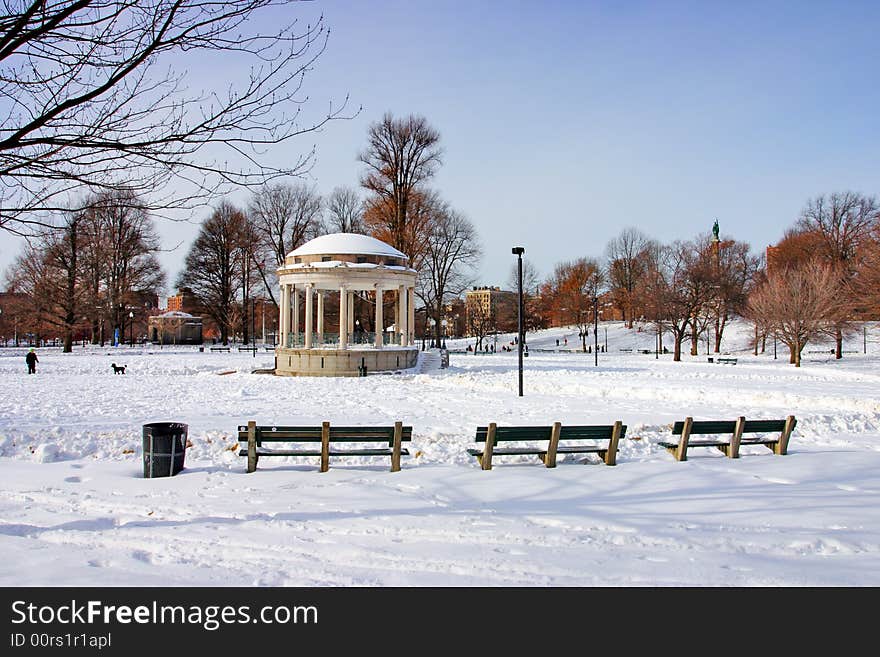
pixel 697 443
pixel 595 432
pixel 706 426
pixel 301 452
pixel 509 451
pixel 761 426
pixel 580 449
pixel 514 433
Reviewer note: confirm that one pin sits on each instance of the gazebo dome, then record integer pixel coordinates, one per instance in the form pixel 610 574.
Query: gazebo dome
pixel 347 244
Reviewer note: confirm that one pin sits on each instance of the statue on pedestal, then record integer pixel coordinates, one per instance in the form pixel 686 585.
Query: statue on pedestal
pixel 715 230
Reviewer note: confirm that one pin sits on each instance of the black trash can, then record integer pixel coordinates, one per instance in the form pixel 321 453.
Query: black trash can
pixel 164 448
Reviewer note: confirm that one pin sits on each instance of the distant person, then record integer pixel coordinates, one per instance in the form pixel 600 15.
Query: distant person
pixel 557 342
pixel 32 360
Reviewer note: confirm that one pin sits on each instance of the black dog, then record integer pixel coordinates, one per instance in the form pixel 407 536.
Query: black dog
pixel 118 369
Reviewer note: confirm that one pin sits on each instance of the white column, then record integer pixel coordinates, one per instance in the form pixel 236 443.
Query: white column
pixel 379 319
pixel 397 314
pixel 309 295
pixel 295 312
pixel 284 315
pixel 321 316
pixel 350 310
pixel 343 320
pixel 404 317
pixel 411 322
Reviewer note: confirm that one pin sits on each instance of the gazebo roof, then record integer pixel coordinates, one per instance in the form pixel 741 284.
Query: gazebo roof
pixel 347 244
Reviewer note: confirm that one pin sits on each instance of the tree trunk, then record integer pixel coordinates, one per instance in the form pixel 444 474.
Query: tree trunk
pixel 838 336
pixel 694 337
pixel 679 337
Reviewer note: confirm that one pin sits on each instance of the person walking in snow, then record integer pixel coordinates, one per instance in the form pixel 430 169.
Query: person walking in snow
pixel 32 360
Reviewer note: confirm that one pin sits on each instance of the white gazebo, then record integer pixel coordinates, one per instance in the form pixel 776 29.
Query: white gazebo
pixel 336 270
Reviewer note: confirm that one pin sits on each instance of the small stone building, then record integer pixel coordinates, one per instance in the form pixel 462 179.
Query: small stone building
pixel 175 327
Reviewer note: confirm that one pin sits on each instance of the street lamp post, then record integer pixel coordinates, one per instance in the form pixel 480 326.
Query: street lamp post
pixel 254 325
pixel 596 330
pixel 518 251
pixel 130 328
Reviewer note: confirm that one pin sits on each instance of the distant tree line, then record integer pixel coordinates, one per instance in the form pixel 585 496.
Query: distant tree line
pixel 822 279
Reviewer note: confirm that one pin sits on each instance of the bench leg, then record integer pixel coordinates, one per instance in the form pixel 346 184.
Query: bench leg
pixel 325 446
pixel 550 456
pixel 733 450
pixel 781 447
pixel 395 456
pixel 681 452
pixel 486 461
pixel 610 456
pixel 252 446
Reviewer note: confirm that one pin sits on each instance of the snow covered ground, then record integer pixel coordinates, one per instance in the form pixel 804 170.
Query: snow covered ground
pixel 77 511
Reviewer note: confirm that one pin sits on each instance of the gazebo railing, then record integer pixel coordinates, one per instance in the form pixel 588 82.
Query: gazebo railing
pixel 327 339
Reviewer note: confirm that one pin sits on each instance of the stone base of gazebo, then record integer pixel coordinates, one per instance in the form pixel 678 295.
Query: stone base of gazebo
pixel 343 362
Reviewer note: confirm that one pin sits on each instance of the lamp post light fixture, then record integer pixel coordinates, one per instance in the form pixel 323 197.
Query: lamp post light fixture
pixel 518 252
pixel 596 330
pixel 130 328
pixel 443 324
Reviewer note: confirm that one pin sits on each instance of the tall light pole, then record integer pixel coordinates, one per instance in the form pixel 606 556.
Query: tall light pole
pixel 254 324
pixel 596 330
pixel 130 328
pixel 518 251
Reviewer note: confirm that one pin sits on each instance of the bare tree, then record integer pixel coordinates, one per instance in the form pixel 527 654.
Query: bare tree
pixel 345 211
pixel 420 216
pixel 47 271
pixel 479 324
pixel 574 285
pixel 452 255
pixel 212 267
pixel 797 304
pixel 735 275
pixel 677 287
pixel 401 156
pixel 842 222
pixel 625 255
pixel 285 216
pixel 127 243
pixel 282 217
pixel 92 101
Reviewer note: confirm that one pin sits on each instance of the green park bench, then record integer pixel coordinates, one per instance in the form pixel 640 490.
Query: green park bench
pixel 735 429
pixel 554 440
pixel 323 441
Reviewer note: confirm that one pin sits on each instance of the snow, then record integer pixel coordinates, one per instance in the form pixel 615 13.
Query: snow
pixel 348 244
pixel 77 510
pixel 177 313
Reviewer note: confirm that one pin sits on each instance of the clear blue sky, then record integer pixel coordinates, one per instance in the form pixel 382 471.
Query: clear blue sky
pixel 564 122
